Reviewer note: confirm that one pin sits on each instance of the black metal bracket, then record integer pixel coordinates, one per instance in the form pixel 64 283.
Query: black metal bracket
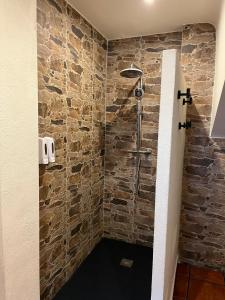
pixel 189 101
pixel 185 125
pixel 187 94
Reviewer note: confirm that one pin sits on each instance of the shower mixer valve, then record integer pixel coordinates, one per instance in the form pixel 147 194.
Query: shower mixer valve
pixel 139 92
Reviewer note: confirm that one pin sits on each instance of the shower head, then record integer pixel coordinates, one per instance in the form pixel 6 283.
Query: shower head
pixel 132 72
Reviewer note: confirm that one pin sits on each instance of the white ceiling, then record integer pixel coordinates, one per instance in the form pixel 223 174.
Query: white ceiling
pixel 128 18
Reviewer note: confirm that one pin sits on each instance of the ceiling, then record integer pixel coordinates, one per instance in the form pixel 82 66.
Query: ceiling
pixel 117 19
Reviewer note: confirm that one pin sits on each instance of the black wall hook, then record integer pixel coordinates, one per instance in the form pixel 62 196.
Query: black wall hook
pixel 187 94
pixel 185 125
pixel 189 101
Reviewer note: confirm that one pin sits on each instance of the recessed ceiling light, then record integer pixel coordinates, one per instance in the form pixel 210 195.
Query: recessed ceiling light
pixel 148 1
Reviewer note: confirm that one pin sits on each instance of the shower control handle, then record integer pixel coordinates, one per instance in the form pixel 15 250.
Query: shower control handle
pixel 139 93
pixel 147 152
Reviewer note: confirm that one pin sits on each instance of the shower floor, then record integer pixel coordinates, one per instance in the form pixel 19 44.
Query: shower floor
pixel 113 271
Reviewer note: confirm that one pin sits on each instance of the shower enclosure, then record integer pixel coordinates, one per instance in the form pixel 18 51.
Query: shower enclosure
pixel 99 195
pixel 171 142
pixel 169 170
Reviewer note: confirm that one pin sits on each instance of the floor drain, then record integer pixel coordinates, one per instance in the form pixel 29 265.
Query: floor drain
pixel 127 263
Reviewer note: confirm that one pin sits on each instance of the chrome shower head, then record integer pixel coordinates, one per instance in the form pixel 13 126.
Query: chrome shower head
pixel 132 72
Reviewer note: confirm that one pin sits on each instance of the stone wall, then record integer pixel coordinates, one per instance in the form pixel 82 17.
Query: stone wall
pixel 127 216
pixel 72 77
pixel 203 216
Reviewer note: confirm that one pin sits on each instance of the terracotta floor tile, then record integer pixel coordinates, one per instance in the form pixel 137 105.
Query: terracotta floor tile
pixel 202 290
pixel 181 287
pixel 183 269
pixel 207 275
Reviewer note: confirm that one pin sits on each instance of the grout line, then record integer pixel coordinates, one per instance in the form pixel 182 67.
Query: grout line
pixel 189 277
pixel 106 84
pixel 92 155
pixel 66 156
pixel 207 281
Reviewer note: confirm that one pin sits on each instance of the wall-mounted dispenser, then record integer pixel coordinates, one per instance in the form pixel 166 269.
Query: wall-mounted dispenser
pixel 51 149
pixel 46 150
pixel 43 151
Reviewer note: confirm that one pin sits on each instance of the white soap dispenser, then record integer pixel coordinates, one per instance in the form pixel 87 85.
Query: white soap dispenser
pixel 43 151
pixel 51 149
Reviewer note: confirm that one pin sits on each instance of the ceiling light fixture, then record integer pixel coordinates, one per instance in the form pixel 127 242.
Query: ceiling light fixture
pixel 148 1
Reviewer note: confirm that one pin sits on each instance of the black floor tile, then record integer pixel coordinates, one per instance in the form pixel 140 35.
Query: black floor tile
pixel 101 277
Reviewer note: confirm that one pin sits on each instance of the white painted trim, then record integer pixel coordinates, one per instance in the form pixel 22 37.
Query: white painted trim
pixel 19 190
pixel 174 279
pixel 171 142
pixel 218 125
